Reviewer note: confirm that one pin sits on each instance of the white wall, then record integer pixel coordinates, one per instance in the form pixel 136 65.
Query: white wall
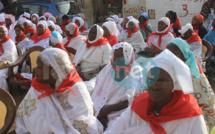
pixel 162 6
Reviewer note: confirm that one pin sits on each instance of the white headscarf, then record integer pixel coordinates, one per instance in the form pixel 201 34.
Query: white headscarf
pixel 28 22
pixel 176 68
pixel 52 18
pixel 185 28
pixel 166 21
pixel 42 22
pixel 21 20
pixel 2 19
pixel 112 28
pixel 81 21
pixel 71 28
pixel 56 38
pixel 127 51
pixel 110 19
pixel 50 23
pixel 42 17
pixel 100 33
pixel 59 60
pixel 27 15
pixel 117 19
pixel 35 15
pixel 5 29
pixel 130 17
pixel 135 21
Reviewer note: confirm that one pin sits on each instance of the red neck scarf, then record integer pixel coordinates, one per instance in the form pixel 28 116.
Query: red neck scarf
pixel 213 28
pixel 131 32
pixel 2 23
pixel 29 30
pixel 60 46
pixel 177 24
pixel 71 79
pixel 160 35
pixel 143 25
pixel 194 38
pixel 36 22
pixel 8 27
pixel 3 41
pixel 19 39
pixel 83 28
pixel 124 27
pixel 63 27
pixel 76 33
pixel 113 40
pixel 181 106
pixel 45 35
pixel 100 42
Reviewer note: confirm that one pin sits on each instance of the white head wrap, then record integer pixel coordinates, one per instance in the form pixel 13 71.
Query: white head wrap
pixel 135 21
pixel 21 20
pixel 176 68
pixel 27 15
pixel 117 19
pixel 100 33
pixel 35 15
pixel 127 51
pixel 166 21
pixel 42 17
pixel 71 28
pixel 81 21
pixel 185 28
pixel 50 23
pixel 130 17
pixel 2 19
pixel 52 18
pixel 112 28
pixel 110 19
pixel 56 38
pixel 5 29
pixel 42 22
pixel 59 60
pixel 28 22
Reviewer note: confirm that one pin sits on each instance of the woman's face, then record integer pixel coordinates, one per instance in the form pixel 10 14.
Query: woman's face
pixel 161 26
pixel 34 19
pixel 92 34
pixel 51 28
pixel 40 29
pixel 68 33
pixel 25 24
pixel 142 19
pixel 159 91
pixel 18 31
pixel 77 22
pixel 42 71
pixel 118 56
pixel 126 21
pixel 8 21
pixel 131 26
pixel 195 21
pixel 3 33
pixel 106 31
pixel 176 51
pixel 65 21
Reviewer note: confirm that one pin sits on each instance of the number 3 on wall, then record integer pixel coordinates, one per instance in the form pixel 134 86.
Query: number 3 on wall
pixel 185 9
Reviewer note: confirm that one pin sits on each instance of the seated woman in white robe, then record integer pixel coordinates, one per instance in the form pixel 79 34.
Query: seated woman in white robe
pixel 8 54
pixel 167 107
pixel 9 24
pixel 57 28
pixel 133 36
pixel 58 101
pixel 73 39
pixel 158 40
pixel 21 40
pixel 202 88
pixel 115 85
pixel 41 38
pixel 93 54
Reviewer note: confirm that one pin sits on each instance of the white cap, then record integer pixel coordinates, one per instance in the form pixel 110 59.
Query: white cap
pixel 185 28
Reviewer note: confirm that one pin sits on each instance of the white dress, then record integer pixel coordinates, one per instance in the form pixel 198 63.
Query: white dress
pixel 75 42
pixel 131 123
pixel 59 113
pixel 136 40
pixel 23 45
pixel 10 55
pixel 43 43
pixel 93 57
pixel 165 40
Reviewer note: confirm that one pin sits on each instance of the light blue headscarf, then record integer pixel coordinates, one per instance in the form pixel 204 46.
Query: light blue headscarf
pixel 56 38
pixel 144 14
pixel 188 55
